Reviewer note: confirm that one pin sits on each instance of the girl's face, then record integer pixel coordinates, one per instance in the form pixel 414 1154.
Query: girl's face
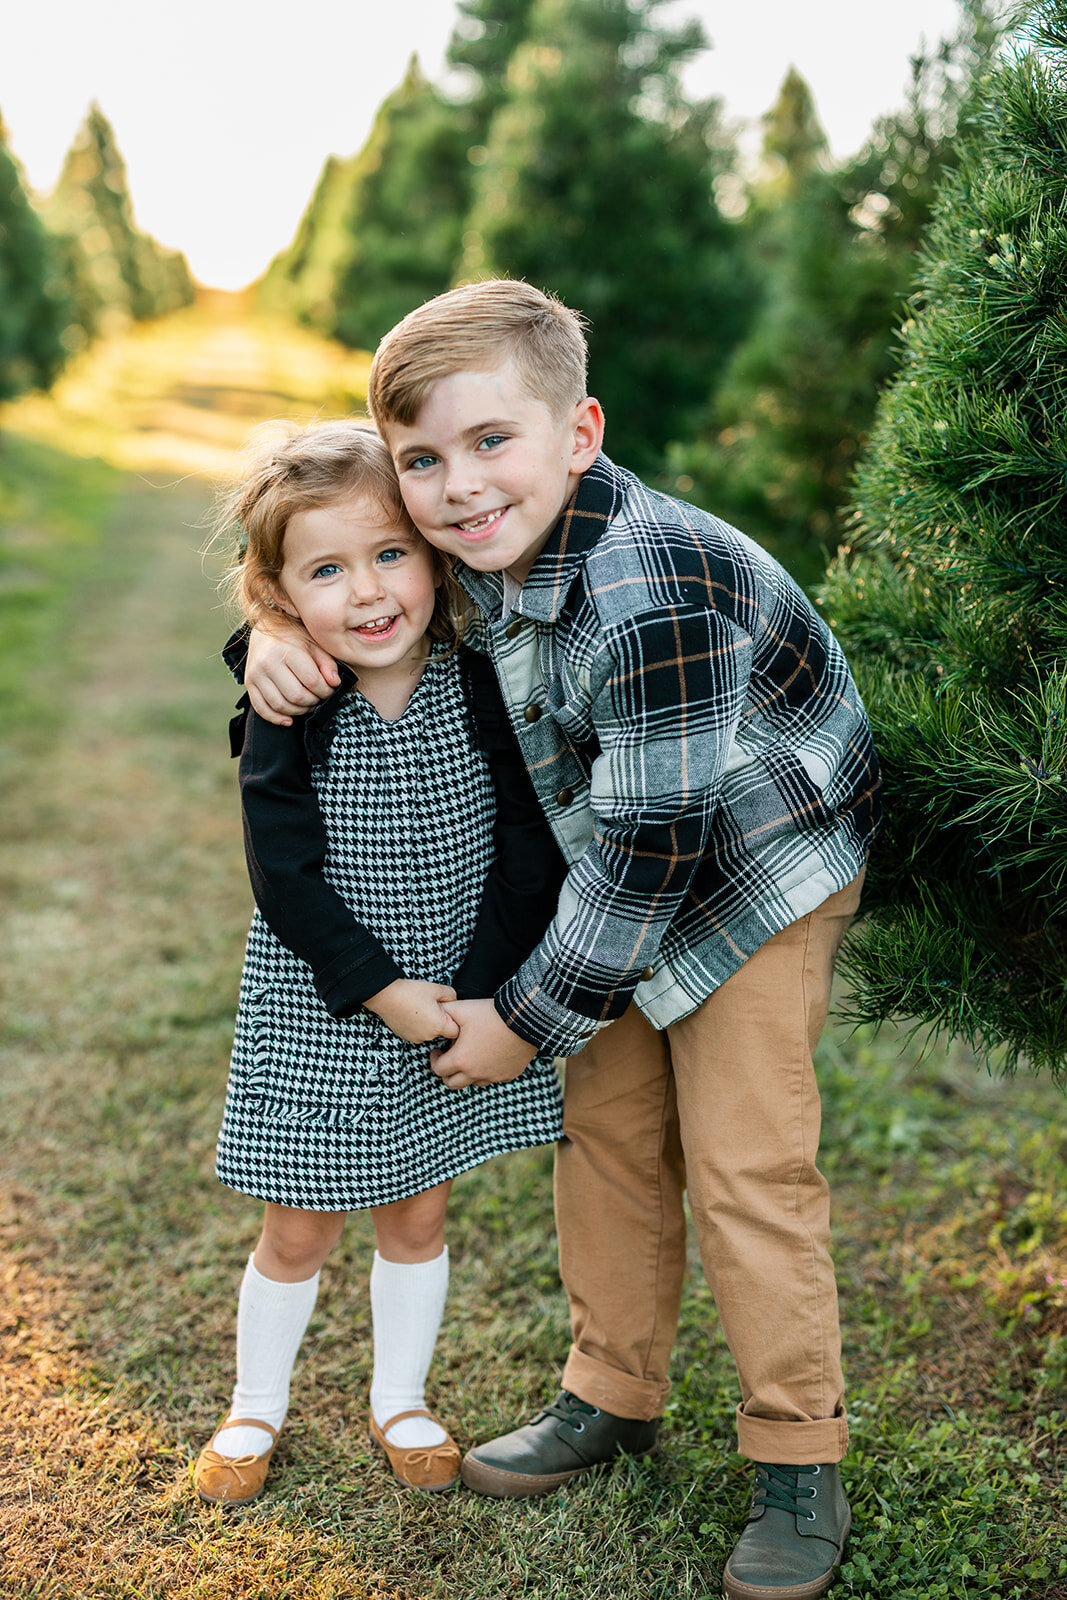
pixel 364 590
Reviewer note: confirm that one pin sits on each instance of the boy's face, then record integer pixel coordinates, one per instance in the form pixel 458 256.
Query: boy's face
pixel 486 470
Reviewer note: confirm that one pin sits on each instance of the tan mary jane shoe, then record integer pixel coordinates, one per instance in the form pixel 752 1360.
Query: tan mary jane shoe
pixel 233 1480
pixel 422 1466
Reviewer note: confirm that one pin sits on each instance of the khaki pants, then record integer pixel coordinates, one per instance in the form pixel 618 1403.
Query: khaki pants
pixel 724 1104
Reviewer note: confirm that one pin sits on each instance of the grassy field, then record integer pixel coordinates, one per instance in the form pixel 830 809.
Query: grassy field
pixel 125 912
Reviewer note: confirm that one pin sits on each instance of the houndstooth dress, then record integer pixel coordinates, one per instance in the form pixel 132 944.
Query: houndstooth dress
pixel 332 1115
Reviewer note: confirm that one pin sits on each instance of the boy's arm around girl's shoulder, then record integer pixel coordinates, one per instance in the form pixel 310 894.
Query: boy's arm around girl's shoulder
pixel 522 886
pixel 285 847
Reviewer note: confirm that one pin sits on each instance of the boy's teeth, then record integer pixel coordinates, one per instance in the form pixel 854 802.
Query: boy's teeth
pixel 478 522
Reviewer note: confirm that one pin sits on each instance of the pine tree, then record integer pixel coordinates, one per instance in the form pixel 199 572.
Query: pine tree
pixel 836 250
pixel 953 604
pixel 382 230
pixel 406 210
pixel 598 184
pixel 486 36
pixel 302 279
pixel 116 272
pixel 32 306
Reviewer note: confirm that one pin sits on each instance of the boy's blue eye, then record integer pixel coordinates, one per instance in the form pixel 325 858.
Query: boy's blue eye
pixel 491 440
pixel 421 462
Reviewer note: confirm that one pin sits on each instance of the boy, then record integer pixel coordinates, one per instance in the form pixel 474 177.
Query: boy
pixel 705 761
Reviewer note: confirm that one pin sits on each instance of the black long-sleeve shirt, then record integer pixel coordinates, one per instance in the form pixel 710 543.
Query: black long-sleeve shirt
pixel 285 847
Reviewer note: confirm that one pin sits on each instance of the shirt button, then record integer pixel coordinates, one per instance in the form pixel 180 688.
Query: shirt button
pixel 532 713
pixel 513 629
pixel 565 797
pixel 646 974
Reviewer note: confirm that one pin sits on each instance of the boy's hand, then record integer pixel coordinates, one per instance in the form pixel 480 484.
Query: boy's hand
pixel 286 673
pixel 486 1051
pixel 414 1010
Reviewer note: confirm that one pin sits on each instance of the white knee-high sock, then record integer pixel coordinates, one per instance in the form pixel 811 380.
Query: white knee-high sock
pixel 407 1303
pixel 271 1319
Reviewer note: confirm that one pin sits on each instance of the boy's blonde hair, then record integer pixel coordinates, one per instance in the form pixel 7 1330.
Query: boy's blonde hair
pixel 471 329
pixel 291 469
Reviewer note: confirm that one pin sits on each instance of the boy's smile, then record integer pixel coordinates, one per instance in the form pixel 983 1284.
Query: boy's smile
pixel 486 469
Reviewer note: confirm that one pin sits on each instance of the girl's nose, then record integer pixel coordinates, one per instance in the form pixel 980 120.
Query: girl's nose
pixel 366 584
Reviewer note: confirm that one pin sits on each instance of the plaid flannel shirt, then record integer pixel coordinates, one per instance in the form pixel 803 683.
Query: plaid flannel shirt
pixel 700 749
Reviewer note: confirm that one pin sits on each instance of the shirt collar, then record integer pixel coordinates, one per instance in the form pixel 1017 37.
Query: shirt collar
pixel 587 513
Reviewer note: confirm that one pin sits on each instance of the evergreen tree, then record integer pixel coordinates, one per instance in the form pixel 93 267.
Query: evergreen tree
pixel 406 210
pixel 302 279
pixel 597 184
pixel 382 231
pixel 32 308
pixel 116 273
pixel 954 609
pixel 794 142
pixel 837 253
pixel 485 38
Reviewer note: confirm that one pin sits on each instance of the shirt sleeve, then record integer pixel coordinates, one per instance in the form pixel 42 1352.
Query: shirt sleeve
pixel 285 847
pixel 667 692
pixel 523 883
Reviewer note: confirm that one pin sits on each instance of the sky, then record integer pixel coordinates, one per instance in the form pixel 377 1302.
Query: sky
pixel 225 111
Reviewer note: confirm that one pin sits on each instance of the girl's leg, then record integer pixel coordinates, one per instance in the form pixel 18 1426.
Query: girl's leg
pixel 278 1294
pixel 408 1285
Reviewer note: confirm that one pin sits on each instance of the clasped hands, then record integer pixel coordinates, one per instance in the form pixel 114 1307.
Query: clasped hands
pixel 483 1050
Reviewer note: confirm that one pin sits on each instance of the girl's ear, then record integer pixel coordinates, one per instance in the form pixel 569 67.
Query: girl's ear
pixel 279 598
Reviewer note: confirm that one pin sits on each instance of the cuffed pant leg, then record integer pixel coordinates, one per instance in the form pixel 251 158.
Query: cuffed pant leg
pixel 620 1218
pixel 750 1119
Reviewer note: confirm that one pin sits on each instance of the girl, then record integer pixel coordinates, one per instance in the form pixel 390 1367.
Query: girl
pixel 370 837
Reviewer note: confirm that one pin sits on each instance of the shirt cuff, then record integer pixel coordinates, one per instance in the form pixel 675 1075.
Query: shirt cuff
pixel 542 1021
pixel 345 983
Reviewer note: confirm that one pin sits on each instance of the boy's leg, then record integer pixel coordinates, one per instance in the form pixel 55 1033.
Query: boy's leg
pixel 750 1118
pixel 620 1178
pixel 621 1223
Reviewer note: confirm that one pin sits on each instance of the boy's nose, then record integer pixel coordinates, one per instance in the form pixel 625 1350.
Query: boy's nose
pixel 461 485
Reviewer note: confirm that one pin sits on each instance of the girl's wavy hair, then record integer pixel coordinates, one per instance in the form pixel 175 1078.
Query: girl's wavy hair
pixel 289 469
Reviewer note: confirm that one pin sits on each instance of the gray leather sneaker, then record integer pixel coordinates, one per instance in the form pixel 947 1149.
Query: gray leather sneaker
pixel 568 1438
pixel 795 1537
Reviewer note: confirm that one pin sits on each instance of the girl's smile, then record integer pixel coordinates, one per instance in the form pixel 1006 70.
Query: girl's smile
pixel 363 590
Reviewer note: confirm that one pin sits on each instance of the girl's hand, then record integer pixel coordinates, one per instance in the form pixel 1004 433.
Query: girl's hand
pixel 286 673
pixel 414 1010
pixel 487 1051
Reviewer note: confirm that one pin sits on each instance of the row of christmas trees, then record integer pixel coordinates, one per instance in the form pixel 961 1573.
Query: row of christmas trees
pixel 78 266
pixel 740 330
pixel 952 599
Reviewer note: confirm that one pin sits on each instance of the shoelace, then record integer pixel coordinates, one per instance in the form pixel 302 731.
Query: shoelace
pixel 778 1488
pixel 567 1405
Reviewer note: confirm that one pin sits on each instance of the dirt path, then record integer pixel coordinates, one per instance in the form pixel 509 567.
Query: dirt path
pixel 125 903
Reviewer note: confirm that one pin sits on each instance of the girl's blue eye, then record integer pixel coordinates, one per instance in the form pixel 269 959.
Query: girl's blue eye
pixel 327 570
pixel 392 556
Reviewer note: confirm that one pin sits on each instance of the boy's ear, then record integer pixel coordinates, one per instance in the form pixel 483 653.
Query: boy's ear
pixel 587 423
